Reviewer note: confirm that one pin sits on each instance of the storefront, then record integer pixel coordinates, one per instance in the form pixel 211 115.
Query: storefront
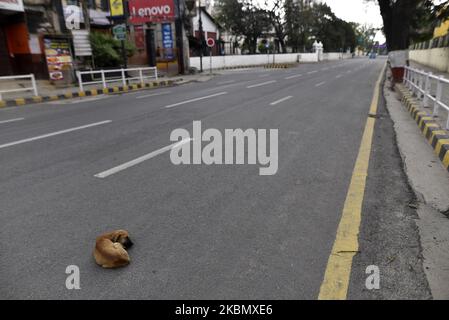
pixel 152 30
pixel 14 47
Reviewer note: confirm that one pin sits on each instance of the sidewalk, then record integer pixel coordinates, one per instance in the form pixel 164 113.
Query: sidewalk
pixel 430 184
pixel 49 92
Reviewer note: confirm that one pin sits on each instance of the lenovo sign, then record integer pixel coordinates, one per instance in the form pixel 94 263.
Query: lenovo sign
pixel 141 11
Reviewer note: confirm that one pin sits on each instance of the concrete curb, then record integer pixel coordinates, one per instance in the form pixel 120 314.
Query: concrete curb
pixel 437 137
pixel 280 66
pixel 266 66
pixel 87 93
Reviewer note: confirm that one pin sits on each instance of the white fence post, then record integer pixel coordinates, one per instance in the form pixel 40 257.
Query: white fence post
pixel 103 79
pixel 123 77
pixel 80 81
pixel 438 96
pixel 427 90
pixel 141 76
pixel 33 83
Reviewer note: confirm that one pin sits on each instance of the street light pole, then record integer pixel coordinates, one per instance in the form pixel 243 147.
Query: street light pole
pixel 200 25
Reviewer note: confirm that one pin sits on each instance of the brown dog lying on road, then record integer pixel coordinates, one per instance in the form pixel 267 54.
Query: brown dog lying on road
pixel 110 249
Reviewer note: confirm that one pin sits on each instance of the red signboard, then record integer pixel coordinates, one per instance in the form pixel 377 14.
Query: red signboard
pixel 139 37
pixel 142 11
pixel 210 42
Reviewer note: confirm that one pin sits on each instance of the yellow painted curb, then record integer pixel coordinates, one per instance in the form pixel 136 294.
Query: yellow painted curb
pixel 427 126
pixel 20 101
pixel 435 133
pixel 446 160
pixel 440 144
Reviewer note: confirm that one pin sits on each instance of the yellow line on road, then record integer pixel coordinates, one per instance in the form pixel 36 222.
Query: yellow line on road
pixel 338 271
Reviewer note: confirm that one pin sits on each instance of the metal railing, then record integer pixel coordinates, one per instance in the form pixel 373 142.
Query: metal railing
pixel 429 88
pixel 27 76
pixel 125 76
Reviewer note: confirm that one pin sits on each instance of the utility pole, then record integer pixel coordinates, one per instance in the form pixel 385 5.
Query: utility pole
pixel 125 20
pixel 86 16
pixel 179 26
pixel 200 25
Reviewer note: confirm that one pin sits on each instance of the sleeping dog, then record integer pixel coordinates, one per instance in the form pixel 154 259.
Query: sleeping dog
pixel 110 249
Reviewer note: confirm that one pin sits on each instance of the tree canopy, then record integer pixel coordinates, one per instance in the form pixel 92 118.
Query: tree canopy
pixel 295 23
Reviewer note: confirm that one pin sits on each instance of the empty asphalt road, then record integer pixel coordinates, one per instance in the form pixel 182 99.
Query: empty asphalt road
pixel 200 232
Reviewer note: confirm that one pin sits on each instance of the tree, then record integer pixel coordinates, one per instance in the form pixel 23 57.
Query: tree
pixel 441 11
pixel 365 35
pixel 107 50
pixel 406 21
pixel 299 23
pixel 276 15
pixel 243 18
pixel 334 33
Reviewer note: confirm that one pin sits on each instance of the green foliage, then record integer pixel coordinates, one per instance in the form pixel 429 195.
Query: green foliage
pixel 306 23
pixel 336 34
pixel 243 18
pixel 365 35
pixel 441 11
pixel 107 51
pixel 407 21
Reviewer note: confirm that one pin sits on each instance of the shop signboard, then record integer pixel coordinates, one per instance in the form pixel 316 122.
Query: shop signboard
pixel 12 5
pixel 167 41
pixel 58 56
pixel 139 37
pixel 143 11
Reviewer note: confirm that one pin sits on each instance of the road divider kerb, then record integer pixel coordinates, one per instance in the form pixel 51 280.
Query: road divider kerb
pixel 436 136
pixel 86 93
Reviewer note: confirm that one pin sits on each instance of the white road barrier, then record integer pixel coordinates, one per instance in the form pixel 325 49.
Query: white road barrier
pixel 27 76
pixel 108 76
pixel 429 88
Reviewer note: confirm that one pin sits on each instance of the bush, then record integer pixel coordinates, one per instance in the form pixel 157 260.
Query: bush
pixel 107 51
